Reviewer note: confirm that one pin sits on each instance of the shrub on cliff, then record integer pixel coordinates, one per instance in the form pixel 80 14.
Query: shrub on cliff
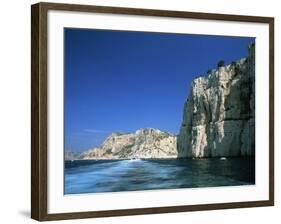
pixel 220 63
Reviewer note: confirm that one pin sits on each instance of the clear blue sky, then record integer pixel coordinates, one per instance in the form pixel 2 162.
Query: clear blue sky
pixel 123 81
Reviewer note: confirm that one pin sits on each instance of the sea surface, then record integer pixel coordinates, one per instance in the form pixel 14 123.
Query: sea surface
pixel 91 176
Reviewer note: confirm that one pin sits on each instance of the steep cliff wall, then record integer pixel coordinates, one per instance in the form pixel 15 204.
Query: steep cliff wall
pixel 219 114
pixel 144 143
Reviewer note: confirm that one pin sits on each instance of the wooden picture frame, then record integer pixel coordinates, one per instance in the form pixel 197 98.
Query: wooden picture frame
pixel 39 110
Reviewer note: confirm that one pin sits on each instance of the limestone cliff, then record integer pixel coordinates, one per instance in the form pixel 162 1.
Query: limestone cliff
pixel 219 114
pixel 144 143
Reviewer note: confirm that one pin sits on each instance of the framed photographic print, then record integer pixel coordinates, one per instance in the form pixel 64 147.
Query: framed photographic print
pixel 140 111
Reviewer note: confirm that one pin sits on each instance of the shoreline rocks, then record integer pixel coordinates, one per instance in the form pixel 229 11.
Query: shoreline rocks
pixel 144 143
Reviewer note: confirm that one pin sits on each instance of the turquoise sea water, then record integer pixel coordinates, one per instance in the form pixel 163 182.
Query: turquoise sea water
pixel 91 176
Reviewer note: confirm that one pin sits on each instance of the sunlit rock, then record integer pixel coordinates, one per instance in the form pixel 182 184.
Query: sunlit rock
pixel 144 143
pixel 219 115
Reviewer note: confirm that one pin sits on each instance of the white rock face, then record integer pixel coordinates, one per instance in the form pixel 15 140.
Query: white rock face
pixel 219 116
pixel 144 143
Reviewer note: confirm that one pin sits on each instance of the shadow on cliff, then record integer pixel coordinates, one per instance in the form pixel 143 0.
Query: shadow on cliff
pixel 235 135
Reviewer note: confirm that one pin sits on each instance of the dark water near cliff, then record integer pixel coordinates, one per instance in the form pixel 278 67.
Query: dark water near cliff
pixel 91 176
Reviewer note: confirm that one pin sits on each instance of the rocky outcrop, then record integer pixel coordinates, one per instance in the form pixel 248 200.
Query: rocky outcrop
pixel 219 115
pixel 69 155
pixel 144 143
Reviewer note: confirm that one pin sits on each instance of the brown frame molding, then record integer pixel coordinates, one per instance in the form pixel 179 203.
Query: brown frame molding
pixel 39 120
